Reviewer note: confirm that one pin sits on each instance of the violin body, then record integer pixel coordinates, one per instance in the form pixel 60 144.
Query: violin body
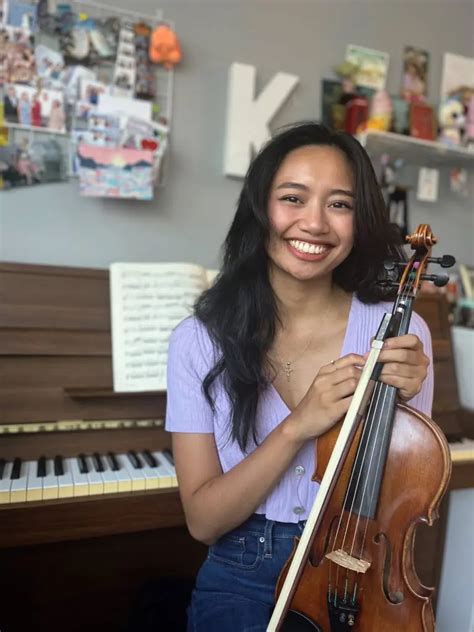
pixel 390 596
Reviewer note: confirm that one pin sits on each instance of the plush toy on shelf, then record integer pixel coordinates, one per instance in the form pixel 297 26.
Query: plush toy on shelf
pixel 451 120
pixel 165 48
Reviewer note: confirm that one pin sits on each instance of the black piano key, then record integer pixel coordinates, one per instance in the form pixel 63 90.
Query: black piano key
pixel 149 458
pixel 16 469
pixel 41 467
pixel 58 465
pixel 97 462
pixel 114 464
pixel 2 467
pixel 168 456
pixel 134 460
pixel 82 462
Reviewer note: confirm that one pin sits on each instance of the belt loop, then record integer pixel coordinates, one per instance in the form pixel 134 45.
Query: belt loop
pixel 268 535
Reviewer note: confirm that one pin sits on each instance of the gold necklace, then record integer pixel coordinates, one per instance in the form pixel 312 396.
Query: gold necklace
pixel 286 366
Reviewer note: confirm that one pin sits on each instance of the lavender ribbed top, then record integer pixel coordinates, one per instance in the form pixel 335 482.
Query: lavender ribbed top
pixel 190 356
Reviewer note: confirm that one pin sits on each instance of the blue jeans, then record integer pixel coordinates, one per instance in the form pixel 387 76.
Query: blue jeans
pixel 235 586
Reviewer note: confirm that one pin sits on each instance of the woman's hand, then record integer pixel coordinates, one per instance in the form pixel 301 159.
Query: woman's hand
pixel 327 399
pixel 405 365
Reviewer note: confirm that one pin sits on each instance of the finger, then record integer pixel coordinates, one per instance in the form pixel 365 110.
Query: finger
pixel 408 341
pixel 351 372
pixel 400 370
pixel 403 356
pixel 407 387
pixel 351 359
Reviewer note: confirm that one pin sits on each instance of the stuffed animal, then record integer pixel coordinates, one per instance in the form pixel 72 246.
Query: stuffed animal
pixel 165 47
pixel 451 120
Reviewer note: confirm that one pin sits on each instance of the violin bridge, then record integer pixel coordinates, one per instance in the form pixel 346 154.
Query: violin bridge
pixel 345 560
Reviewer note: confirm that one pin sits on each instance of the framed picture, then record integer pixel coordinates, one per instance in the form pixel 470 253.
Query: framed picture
pixel 373 66
pixel 415 73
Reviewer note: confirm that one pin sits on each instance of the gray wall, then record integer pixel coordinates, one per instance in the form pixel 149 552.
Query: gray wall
pixel 190 215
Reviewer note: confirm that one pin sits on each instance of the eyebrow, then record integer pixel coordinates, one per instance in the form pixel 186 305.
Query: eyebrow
pixel 303 187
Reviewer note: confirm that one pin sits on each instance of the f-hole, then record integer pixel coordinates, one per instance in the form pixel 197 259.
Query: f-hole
pixel 394 597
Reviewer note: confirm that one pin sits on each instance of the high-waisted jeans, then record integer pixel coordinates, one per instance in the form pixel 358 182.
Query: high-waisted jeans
pixel 235 586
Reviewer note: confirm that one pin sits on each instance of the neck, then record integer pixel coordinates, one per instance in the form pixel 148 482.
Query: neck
pixel 302 301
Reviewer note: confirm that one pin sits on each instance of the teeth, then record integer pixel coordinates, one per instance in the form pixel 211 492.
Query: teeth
pixel 304 246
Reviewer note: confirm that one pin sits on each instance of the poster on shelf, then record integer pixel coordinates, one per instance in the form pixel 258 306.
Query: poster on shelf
pixel 457 73
pixel 415 73
pixel 373 66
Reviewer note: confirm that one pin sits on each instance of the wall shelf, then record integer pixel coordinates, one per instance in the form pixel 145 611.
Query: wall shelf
pixel 423 153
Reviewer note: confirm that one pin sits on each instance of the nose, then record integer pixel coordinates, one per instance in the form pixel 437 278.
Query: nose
pixel 314 219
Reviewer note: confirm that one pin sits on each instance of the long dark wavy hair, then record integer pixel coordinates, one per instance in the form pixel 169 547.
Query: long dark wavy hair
pixel 239 310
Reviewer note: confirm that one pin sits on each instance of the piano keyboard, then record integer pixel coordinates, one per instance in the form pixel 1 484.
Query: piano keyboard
pixel 85 475
pixel 462 451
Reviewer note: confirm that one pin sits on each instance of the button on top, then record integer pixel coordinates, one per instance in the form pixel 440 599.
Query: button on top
pixel 299 470
pixel 298 510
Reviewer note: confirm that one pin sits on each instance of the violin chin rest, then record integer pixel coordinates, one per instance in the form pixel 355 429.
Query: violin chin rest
pixel 298 622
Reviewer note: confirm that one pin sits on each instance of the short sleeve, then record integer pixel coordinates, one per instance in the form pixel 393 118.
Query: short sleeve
pixel 189 353
pixel 424 400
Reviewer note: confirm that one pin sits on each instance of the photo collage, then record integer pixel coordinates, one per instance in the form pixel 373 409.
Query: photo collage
pixel 85 85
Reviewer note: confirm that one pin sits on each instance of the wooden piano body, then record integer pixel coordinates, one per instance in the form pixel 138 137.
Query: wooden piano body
pixel 76 564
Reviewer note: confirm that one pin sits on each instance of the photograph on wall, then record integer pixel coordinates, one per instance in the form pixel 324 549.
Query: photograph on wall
pixel 50 67
pixel 457 76
pixel 30 107
pixel 17 57
pixel 415 74
pixel 32 160
pixel 115 172
pixel 372 66
pixel 20 15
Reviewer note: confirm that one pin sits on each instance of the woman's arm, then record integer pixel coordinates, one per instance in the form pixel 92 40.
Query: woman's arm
pixel 214 502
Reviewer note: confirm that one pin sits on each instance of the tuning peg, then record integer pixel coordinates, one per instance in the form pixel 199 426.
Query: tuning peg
pixel 440 280
pixel 391 265
pixel 446 261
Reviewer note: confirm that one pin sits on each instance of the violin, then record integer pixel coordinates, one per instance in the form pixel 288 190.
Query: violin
pixel 382 471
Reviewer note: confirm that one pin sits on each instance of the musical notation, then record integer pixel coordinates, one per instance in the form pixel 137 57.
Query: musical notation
pixel 148 300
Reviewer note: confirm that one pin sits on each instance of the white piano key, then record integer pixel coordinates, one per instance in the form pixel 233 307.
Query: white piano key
pixel 96 484
pixel 136 475
pixel 123 479
pixel 152 477
pixel 34 487
pixel 80 481
pixel 65 481
pixel 50 482
pixel 170 479
pixel 18 486
pixel 109 478
pixel 5 484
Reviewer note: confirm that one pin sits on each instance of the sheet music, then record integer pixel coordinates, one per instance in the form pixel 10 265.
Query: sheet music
pixel 147 301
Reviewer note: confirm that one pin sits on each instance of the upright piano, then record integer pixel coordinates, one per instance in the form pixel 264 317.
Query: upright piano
pixel 89 507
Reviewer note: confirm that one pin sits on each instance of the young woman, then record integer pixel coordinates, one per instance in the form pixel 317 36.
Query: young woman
pixel 271 359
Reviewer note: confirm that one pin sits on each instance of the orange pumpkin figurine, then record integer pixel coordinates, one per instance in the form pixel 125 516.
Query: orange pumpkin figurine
pixel 165 47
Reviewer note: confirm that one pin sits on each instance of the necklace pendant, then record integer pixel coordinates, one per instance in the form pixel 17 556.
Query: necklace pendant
pixel 288 370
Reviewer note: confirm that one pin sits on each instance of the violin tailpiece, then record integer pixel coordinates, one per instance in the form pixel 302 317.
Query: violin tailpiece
pixel 345 560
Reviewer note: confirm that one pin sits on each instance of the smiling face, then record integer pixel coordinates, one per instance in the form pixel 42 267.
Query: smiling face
pixel 310 208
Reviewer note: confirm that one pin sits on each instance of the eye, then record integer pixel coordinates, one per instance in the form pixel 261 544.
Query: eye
pixel 342 205
pixel 293 199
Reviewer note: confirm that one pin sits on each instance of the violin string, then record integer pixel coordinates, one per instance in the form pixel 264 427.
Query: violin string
pixel 368 476
pixel 404 294
pixel 374 423
pixel 349 513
